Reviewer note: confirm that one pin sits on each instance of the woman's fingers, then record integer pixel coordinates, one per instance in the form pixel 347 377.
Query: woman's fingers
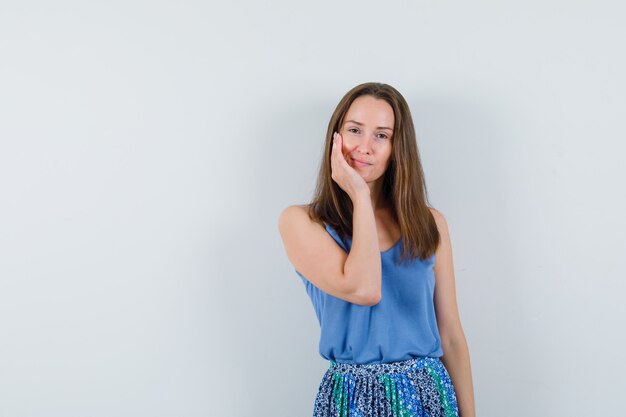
pixel 341 172
pixel 339 147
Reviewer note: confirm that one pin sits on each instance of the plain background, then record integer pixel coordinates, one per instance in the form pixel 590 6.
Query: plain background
pixel 148 148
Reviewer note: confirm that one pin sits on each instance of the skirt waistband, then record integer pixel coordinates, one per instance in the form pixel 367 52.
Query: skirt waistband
pixel 373 369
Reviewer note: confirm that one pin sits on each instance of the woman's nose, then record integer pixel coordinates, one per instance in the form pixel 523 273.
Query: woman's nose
pixel 362 145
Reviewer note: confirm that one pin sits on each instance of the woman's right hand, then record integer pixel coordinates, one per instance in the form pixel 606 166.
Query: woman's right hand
pixel 342 173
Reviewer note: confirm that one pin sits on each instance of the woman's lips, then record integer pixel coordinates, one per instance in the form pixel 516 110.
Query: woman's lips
pixel 359 163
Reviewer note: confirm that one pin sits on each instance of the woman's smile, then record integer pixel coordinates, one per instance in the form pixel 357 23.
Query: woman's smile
pixel 358 163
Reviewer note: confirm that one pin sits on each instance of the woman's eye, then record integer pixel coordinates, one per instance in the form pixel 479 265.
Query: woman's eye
pixel 351 129
pixel 383 136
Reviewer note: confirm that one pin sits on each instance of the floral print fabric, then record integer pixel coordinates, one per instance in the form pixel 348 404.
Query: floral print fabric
pixel 410 388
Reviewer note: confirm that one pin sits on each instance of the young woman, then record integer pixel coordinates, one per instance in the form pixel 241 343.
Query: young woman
pixel 376 260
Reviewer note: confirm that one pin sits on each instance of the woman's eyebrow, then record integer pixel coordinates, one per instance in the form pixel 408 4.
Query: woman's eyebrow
pixel 361 124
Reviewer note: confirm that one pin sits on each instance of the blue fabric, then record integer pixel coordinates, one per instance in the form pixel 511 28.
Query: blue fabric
pixel 401 326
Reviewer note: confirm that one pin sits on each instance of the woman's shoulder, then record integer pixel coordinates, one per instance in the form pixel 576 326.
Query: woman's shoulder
pixel 440 219
pixel 433 210
pixel 295 214
pixel 295 210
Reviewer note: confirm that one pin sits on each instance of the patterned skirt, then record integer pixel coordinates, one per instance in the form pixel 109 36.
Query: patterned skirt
pixel 410 388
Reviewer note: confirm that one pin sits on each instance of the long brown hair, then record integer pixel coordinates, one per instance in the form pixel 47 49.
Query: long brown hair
pixel 404 185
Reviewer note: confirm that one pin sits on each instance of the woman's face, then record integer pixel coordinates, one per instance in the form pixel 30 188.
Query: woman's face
pixel 367 131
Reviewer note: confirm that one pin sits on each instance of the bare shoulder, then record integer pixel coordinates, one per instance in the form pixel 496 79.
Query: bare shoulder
pixel 316 255
pixel 293 216
pixel 293 210
pixel 440 220
pixel 296 226
pixel 436 214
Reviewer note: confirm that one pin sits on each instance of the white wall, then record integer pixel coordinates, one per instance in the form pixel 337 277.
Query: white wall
pixel 147 149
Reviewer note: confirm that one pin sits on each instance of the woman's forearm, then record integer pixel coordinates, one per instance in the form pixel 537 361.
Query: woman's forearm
pixel 457 361
pixel 363 267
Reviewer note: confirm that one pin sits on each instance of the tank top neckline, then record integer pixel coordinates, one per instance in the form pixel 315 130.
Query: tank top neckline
pixel 381 252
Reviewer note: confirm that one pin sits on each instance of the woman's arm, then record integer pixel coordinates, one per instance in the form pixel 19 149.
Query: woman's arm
pixel 456 353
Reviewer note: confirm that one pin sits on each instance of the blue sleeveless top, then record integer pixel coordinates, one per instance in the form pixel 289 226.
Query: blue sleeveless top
pixel 401 326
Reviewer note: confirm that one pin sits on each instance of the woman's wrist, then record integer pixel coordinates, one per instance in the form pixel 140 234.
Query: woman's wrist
pixel 362 194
